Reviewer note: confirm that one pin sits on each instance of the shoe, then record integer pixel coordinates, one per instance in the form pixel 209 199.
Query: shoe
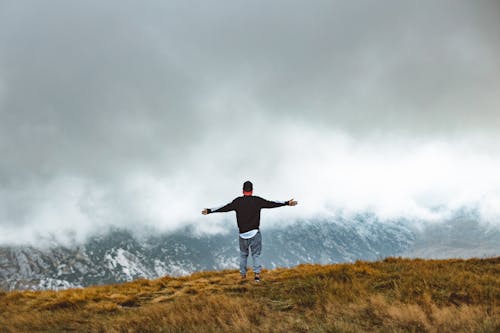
pixel 257 277
pixel 243 279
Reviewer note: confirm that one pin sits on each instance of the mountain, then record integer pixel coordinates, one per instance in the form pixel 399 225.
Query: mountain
pixel 120 256
pixel 459 238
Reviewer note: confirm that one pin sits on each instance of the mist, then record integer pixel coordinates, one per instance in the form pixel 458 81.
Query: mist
pixel 138 116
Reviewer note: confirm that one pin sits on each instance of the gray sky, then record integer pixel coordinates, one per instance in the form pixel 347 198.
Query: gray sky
pixel 134 113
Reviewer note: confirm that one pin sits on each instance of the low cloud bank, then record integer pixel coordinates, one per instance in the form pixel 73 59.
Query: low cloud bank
pixel 328 172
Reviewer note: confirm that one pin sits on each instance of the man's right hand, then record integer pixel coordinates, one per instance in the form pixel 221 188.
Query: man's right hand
pixel 292 202
pixel 205 211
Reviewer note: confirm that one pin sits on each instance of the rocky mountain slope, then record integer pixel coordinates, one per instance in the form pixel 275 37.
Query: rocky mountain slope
pixel 120 256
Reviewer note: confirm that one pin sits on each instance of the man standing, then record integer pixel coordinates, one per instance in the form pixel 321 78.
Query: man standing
pixel 247 209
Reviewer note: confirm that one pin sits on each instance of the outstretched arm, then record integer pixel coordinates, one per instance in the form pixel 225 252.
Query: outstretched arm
pixel 272 204
pixel 226 208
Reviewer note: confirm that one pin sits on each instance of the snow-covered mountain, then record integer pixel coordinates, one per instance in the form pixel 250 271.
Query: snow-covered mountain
pixel 120 256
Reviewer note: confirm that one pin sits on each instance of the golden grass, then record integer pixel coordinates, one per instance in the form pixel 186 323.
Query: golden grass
pixel 393 295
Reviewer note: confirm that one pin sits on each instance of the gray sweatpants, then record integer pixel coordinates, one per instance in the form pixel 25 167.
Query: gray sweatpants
pixel 255 246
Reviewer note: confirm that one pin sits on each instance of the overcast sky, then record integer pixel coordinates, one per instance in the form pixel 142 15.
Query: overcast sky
pixel 141 113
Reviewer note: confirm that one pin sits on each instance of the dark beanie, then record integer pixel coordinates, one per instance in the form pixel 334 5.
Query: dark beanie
pixel 247 186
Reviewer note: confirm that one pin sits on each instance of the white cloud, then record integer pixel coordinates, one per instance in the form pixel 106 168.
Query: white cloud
pixel 138 116
pixel 327 172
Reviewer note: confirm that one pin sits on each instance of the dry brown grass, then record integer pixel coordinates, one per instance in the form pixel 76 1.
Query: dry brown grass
pixel 393 295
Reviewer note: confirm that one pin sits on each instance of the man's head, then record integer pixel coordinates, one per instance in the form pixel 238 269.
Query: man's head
pixel 247 188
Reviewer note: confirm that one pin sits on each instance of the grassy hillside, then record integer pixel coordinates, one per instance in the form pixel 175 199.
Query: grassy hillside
pixel 394 295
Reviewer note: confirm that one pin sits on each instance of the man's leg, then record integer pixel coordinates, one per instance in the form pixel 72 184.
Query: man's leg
pixel 256 247
pixel 243 256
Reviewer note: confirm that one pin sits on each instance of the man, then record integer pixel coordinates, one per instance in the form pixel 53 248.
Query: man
pixel 247 209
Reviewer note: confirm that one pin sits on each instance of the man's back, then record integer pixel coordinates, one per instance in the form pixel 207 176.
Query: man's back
pixel 247 209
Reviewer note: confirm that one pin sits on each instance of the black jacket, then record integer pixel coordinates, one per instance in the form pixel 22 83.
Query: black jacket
pixel 248 210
